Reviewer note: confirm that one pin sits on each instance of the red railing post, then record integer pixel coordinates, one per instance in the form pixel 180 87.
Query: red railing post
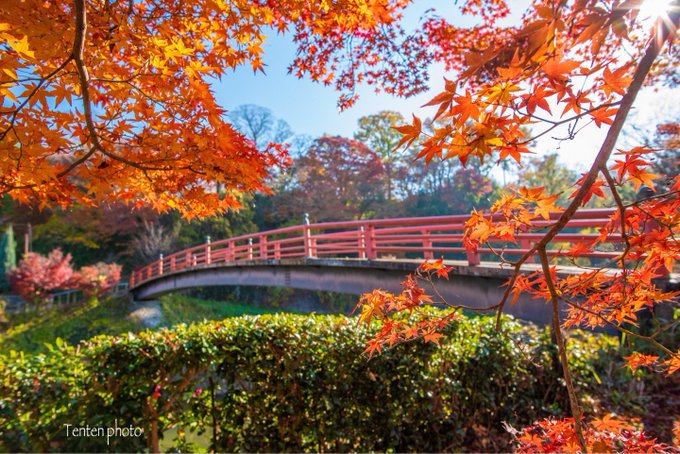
pixel 263 247
pixel 371 253
pixel 187 260
pixel 362 242
pixel 427 245
pixel 277 251
pixel 307 238
pixel 172 262
pixel 231 254
pixel 472 257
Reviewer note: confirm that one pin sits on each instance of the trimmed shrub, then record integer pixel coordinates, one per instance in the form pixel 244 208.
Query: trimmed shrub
pixel 281 383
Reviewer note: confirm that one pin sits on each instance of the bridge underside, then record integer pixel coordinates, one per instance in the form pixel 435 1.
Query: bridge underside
pixel 478 286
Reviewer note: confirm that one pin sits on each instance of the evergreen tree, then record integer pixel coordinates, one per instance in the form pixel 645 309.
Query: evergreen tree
pixel 8 256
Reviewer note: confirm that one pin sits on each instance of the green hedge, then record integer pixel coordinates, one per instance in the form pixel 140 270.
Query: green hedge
pixel 280 383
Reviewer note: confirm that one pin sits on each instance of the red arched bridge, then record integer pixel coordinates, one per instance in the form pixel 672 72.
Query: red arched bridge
pixel 358 256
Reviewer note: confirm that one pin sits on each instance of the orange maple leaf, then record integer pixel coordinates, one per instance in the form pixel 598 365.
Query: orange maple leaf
pixel 411 132
pixel 616 82
pixel 673 363
pixel 374 345
pixel 609 423
pixel 433 337
pixel 559 69
pixel 604 116
pixel 513 150
pixel 443 100
pixel 538 98
pixel 636 360
pixel 465 108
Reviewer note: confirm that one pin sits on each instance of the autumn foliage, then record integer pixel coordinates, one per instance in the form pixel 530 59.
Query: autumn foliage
pixel 37 276
pixel 96 280
pixel 116 97
pixel 606 434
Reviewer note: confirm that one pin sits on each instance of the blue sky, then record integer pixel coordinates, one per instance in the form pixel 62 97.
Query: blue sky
pixel 310 108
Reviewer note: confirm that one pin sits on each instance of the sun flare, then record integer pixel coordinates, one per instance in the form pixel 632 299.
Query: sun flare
pixel 651 10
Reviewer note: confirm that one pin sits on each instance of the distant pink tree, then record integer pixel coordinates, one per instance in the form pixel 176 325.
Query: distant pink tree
pixel 37 276
pixel 95 280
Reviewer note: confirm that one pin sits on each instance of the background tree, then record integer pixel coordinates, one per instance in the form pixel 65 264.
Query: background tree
pixel 338 178
pixel 92 233
pixel 225 225
pixel 153 239
pixel 667 161
pixel 378 133
pixel 259 125
pixel 8 256
pixel 445 189
pixel 97 279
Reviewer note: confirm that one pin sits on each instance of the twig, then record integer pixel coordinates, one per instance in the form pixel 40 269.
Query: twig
pixel 619 328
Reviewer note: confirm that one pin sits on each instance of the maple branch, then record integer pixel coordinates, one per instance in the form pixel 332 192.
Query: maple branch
pixel 458 306
pixel 637 202
pixel 573 117
pixel 506 294
pixel 562 350
pixel 77 162
pixel 619 328
pixel 656 219
pixel 556 124
pixel 162 104
pixel 501 254
pixel 607 147
pixel 83 75
pixel 84 78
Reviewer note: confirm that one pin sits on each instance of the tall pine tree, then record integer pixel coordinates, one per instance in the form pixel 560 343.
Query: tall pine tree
pixel 8 256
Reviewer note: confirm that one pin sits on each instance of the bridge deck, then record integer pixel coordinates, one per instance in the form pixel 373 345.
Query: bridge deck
pixel 371 242
pixel 358 256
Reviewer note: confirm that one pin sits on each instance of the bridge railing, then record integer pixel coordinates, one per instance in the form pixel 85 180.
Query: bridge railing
pixel 415 238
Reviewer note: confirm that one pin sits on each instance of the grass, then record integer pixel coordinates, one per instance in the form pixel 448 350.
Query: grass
pixel 30 331
pixel 186 309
